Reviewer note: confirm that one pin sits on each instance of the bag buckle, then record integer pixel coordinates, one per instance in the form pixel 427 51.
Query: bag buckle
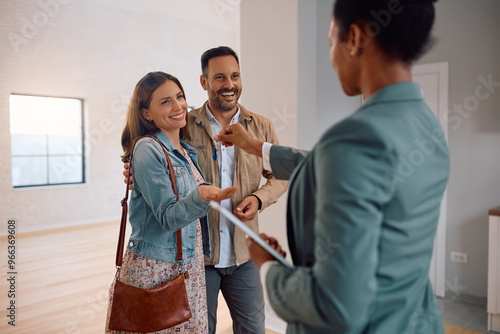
pixel 181 269
pixel 117 272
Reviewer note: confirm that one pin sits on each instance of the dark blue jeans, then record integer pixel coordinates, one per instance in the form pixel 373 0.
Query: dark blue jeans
pixel 242 290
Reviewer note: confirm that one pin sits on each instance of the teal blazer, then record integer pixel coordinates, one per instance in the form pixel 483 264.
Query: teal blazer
pixel 363 208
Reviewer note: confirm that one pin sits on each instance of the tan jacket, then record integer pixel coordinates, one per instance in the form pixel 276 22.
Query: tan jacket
pixel 247 176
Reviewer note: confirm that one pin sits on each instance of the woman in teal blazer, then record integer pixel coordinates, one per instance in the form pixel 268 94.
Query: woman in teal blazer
pixel 363 205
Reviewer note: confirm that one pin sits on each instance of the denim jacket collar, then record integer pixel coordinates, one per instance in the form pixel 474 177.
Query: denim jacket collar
pixel 171 147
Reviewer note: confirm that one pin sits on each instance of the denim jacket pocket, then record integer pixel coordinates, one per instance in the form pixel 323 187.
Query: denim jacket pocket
pixel 181 178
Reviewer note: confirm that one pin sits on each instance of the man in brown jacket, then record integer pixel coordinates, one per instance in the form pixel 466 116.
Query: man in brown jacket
pixel 229 267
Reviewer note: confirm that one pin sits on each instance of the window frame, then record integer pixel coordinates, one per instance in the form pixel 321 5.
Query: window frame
pixel 47 155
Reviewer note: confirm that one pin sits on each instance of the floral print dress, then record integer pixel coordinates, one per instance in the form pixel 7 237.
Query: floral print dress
pixel 146 273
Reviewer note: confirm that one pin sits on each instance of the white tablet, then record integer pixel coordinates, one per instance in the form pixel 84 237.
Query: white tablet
pixel 251 233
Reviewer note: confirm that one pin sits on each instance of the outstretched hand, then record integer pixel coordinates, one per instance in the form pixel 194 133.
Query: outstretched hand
pixel 208 193
pixel 212 193
pixel 237 135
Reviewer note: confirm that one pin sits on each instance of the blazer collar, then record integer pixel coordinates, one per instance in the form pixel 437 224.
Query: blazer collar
pixel 401 91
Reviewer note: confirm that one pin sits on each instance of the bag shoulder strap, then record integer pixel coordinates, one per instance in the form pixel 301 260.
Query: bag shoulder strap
pixel 123 222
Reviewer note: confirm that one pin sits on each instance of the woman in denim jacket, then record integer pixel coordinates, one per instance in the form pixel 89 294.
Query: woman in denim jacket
pixel 158 108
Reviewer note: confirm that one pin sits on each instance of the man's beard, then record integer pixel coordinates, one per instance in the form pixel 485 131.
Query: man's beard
pixel 222 105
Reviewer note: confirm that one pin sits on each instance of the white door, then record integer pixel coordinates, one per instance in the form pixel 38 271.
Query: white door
pixel 433 79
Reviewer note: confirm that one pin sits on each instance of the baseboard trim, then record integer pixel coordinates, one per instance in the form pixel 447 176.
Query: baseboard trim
pixel 463 297
pixel 60 227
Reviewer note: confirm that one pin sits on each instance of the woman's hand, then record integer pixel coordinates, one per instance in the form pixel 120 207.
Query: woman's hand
pixel 213 193
pixel 258 254
pixel 128 171
pixel 237 135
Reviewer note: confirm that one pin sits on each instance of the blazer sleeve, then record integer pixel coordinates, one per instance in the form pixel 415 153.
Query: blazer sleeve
pixel 152 180
pixel 337 291
pixel 284 160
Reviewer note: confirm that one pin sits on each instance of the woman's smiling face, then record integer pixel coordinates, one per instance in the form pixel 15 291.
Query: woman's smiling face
pixel 168 108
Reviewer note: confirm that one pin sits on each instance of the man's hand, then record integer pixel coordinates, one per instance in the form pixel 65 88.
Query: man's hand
pixel 258 254
pixel 247 210
pixel 212 193
pixel 237 135
pixel 128 171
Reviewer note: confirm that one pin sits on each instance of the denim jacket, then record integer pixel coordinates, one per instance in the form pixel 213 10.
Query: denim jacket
pixel 155 214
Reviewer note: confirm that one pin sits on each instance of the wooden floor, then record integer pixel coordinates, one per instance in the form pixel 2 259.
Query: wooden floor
pixel 449 329
pixel 62 282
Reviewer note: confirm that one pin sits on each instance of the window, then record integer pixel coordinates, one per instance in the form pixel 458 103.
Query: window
pixel 46 140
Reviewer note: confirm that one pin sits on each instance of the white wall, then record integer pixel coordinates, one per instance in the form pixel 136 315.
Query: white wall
pixel 97 50
pixel 269 74
pixel 332 104
pixel 322 102
pixel 269 68
pixel 307 76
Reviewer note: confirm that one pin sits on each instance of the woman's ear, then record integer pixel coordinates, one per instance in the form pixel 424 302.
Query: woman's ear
pixel 357 39
pixel 145 114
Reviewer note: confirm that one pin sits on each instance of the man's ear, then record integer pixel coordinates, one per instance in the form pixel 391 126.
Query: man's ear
pixel 145 114
pixel 203 81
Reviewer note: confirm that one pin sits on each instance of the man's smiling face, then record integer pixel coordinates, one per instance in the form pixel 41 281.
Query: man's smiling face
pixel 223 83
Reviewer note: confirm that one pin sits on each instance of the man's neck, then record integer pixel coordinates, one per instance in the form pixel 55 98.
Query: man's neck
pixel 223 117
